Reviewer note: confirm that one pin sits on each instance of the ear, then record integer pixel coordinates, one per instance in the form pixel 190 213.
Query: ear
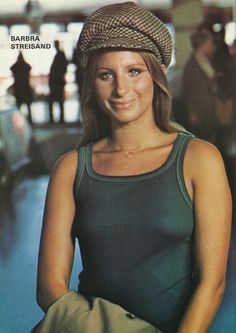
pixel 163 68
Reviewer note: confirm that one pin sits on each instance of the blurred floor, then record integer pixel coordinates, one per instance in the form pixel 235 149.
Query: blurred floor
pixel 54 139
pixel 21 217
pixel 40 112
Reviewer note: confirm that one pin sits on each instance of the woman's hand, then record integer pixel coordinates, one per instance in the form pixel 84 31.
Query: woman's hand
pixel 57 243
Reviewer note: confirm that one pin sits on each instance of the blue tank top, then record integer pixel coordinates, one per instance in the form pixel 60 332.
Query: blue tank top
pixel 135 235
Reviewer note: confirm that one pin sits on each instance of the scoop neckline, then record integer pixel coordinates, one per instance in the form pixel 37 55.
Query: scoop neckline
pixel 92 173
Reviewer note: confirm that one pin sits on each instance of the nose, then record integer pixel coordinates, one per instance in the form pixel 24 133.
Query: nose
pixel 122 85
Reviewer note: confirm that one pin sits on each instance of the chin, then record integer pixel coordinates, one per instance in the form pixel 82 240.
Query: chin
pixel 124 118
pixel 119 115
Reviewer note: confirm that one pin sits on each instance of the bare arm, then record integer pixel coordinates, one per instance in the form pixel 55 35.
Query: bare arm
pixel 212 209
pixel 57 244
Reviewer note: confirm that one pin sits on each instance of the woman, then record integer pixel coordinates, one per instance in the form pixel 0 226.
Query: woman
pixel 149 204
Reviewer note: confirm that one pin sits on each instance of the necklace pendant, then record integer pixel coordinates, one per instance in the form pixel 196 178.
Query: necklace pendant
pixel 128 154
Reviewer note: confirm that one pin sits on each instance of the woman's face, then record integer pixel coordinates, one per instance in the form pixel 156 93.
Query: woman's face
pixel 124 86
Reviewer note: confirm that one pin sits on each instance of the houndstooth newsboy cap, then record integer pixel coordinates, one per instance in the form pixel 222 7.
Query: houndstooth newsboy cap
pixel 124 25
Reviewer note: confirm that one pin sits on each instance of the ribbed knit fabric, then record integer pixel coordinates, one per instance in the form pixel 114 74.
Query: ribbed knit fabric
pixel 135 236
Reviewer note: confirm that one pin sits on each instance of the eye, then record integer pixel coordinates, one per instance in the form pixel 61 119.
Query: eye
pixel 134 72
pixel 105 76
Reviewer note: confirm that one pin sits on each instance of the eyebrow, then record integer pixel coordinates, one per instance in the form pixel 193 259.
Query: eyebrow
pixel 128 66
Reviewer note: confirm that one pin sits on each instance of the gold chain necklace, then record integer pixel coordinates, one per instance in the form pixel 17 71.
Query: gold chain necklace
pixel 126 152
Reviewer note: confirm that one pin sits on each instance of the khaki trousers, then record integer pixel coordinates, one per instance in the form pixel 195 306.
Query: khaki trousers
pixel 72 313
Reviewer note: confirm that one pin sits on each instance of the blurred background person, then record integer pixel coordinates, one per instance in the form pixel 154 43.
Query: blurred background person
pixel 199 84
pixel 57 81
pixel 21 87
pixel 225 138
pixel 232 49
pixel 75 61
pixel 225 67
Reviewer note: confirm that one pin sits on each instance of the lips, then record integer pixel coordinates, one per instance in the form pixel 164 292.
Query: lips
pixel 121 104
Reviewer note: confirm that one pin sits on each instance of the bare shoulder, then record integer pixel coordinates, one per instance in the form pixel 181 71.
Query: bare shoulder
pixel 202 149
pixel 66 166
pixel 68 160
pixel 203 157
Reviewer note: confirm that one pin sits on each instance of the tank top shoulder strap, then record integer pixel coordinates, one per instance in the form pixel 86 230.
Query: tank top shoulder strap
pixel 185 138
pixel 82 151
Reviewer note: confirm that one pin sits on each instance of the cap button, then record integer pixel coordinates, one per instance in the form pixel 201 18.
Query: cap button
pixel 130 315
